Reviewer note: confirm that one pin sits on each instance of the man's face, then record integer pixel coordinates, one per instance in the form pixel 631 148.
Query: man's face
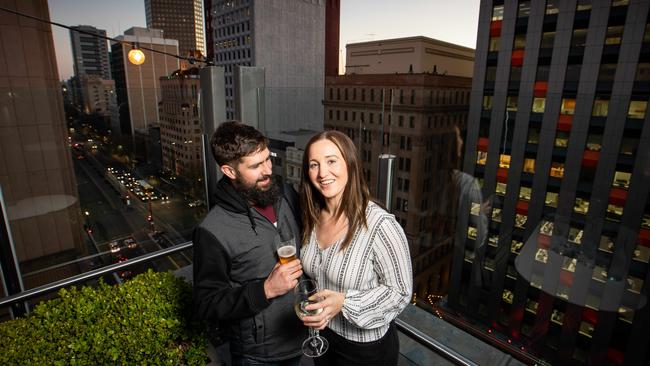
pixel 254 171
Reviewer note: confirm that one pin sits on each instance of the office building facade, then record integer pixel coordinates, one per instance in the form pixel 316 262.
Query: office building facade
pixel 262 33
pixel 181 20
pixel 557 138
pixel 90 53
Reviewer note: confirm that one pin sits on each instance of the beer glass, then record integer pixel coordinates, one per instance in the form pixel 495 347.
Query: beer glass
pixel 286 250
pixel 305 291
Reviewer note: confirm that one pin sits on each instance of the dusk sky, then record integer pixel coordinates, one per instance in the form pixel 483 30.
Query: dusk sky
pixel 361 20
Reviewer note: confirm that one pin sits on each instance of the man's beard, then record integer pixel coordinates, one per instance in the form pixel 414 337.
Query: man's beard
pixel 256 196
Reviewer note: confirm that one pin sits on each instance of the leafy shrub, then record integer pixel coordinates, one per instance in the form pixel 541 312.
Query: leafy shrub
pixel 143 321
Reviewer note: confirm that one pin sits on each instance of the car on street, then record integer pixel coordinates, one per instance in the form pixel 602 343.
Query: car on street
pixel 114 247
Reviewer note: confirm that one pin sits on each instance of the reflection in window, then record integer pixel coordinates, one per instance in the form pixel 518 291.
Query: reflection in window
pixel 634 284
pixel 501 188
pixel 497 12
pixel 520 221
pixel 569 264
pixel 581 206
pixel 529 165
pixel 600 108
pixel 593 142
pixel 487 102
pixel 562 139
pixel 538 105
pixel 557 170
pixel 614 212
pixel 552 6
pixel 637 109
pixel 575 235
pixel 642 254
pixel 568 106
pixel 494 44
pixel 551 199
pixel 496 214
pixel 511 104
pixel 504 161
pixel 579 38
pixel 547 40
pixel 599 274
pixel 622 180
pixel 533 136
pixel 606 244
pixel 524 193
pixel 481 157
pixel 507 296
pixel 614 35
pixel 541 255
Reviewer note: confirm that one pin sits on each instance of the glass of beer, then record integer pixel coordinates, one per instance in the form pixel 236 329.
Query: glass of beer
pixel 286 250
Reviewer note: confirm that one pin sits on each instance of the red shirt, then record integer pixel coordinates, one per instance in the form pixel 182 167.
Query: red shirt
pixel 267 212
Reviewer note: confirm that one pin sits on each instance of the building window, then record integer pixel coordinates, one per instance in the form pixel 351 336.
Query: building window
pixel 497 12
pixel 557 170
pixel 614 35
pixel 579 38
pixel 524 9
pixel 552 6
pixel 562 139
pixel 511 103
pixel 520 42
pixel 600 108
pixel 529 166
pixel 538 105
pixel 621 180
pixel 551 199
pixel 411 122
pixel 400 121
pixel 331 114
pixel 568 106
pixel 481 157
pixel 494 44
pixel 637 109
pixel 412 96
pixel 548 38
pixel 487 102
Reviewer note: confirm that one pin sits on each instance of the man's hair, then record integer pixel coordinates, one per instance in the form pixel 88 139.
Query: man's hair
pixel 233 140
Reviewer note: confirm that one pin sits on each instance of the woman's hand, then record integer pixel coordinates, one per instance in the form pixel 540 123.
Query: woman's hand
pixel 331 302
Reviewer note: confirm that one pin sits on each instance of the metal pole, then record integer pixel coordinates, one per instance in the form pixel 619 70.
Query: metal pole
pixel 12 281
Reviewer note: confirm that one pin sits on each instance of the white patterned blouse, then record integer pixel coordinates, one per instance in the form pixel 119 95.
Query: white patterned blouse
pixel 374 272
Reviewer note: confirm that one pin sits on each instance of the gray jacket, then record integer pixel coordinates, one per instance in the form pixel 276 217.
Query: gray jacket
pixel 233 255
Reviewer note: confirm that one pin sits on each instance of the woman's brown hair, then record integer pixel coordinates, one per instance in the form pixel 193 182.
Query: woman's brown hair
pixel 355 195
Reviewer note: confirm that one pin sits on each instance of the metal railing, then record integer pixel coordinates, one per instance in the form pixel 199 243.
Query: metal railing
pixel 402 326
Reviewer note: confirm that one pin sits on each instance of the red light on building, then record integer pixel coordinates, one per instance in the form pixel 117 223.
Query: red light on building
pixel 564 122
pixel 540 89
pixel 644 237
pixel 482 144
pixel 502 175
pixel 517 58
pixel 617 196
pixel 522 207
pixel 590 158
pixel 495 28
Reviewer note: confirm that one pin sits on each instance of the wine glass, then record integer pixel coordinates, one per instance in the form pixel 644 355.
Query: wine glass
pixel 314 345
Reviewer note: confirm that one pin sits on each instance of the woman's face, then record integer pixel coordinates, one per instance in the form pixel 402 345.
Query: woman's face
pixel 328 170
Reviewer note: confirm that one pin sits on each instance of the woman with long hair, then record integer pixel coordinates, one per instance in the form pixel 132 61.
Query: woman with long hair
pixel 358 254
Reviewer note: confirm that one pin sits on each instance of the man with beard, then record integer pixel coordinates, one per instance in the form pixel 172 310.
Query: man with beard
pixel 238 282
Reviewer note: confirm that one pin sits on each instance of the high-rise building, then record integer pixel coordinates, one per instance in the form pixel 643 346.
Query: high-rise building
pixel 180 127
pixel 98 95
pixel 36 173
pixel 181 20
pixel 89 52
pixel 557 138
pixel 263 33
pixel 138 87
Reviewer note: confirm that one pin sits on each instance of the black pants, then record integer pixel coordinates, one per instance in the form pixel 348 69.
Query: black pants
pixel 343 352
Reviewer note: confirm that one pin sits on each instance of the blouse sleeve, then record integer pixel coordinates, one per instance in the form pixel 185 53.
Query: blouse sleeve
pixel 378 306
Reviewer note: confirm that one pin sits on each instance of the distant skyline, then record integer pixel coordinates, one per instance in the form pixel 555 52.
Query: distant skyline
pixel 361 20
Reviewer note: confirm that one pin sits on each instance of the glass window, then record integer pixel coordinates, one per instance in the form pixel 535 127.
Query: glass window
pixel 515 246
pixel 581 206
pixel 642 72
pixel 557 170
pixel 520 221
pixel 494 44
pixel 579 38
pixel 511 103
pixel 637 109
pixel 620 2
pixel 496 214
pixel 524 193
pixel 593 142
pixel 622 180
pixel 614 212
pixel 481 158
pixel 487 102
pixel 646 35
pixel 504 161
pixel 548 38
pixel 501 188
pixel 529 166
pixel 533 136
pixel 538 105
pixel 607 72
pixel 642 254
pixel 614 35
pixel 541 255
pixel 600 108
pixel 645 221
pixel 629 146
pixel 490 73
pixel 584 5
pixel 562 139
pixel 520 42
pixel 497 12
pixel 552 6
pixel 606 244
pixel 568 106
pixel 524 9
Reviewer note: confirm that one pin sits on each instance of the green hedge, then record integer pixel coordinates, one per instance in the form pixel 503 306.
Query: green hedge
pixel 142 321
